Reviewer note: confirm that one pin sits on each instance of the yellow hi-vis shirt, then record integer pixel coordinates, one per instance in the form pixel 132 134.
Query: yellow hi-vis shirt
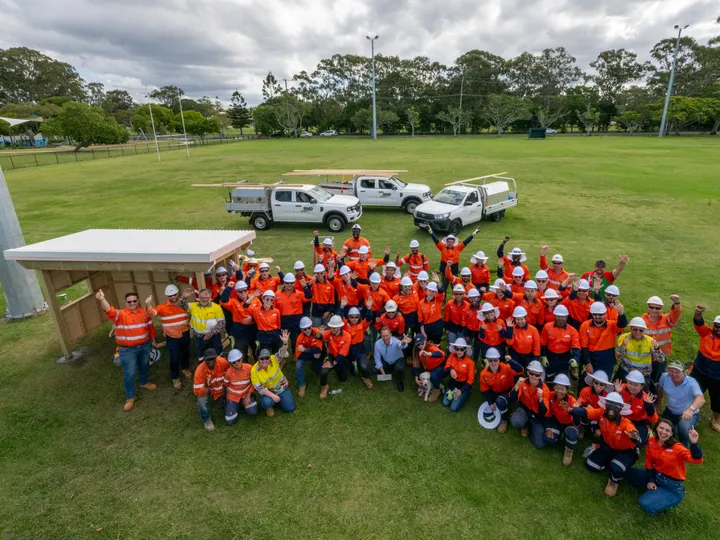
pixel 271 378
pixel 638 354
pixel 200 316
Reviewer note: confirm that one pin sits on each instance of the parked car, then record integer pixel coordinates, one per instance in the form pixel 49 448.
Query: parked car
pixel 305 134
pixel 329 133
pixel 550 131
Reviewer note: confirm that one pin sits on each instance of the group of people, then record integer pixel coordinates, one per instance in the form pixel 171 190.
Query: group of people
pixel 359 315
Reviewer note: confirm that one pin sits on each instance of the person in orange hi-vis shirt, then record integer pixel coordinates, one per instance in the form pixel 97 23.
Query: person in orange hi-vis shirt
pixel 338 358
pixel 268 320
pixel 430 315
pixel 597 386
pixel 453 316
pixel 551 299
pixel 660 325
pixel 461 369
pixel 321 291
pixel 528 299
pixel 379 298
pixel 471 321
pixel 532 395
pixel 346 286
pixel 356 324
pixel 496 381
pixel 559 421
pixel 706 367
pixel 326 252
pixel 209 383
pixel 642 404
pixel 500 296
pixel 176 327
pixel 290 302
pixel 464 278
pixel 407 302
pixel 308 349
pixel 430 358
pixel 134 332
pixel 390 280
pixel 266 282
pixel 450 251
pixel 517 278
pixel 364 265
pixel 578 302
pixel 557 274
pixel 523 339
pixel 492 332
pixel 560 345
pixel 238 389
pixel 351 247
pixel 542 279
pixel 480 271
pixel 392 319
pixel 516 259
pixel 416 261
pixel 612 293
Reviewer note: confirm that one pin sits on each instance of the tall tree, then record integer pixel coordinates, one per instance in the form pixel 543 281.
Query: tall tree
pixel 362 119
pixel 413 117
pixel 289 112
pixel 456 117
pixel 168 96
pixel 196 124
pixel 686 66
pixel 117 100
pixel 238 112
pixel 270 88
pixel 162 116
pixel 387 120
pixel 502 110
pixel 86 125
pixel 615 69
pixel 588 118
pixel 95 92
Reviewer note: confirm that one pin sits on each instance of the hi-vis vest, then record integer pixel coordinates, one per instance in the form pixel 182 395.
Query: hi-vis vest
pixel 131 328
pixel 175 320
pixel 200 317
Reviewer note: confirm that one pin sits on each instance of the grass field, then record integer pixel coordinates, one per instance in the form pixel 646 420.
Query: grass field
pixel 384 464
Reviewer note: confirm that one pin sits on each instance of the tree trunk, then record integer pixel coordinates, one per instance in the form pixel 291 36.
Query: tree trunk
pixel 499 130
pixel 715 128
pixel 412 130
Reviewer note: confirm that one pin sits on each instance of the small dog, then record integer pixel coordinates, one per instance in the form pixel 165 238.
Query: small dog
pixel 426 386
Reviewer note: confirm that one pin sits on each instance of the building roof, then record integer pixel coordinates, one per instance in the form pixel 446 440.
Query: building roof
pixel 135 246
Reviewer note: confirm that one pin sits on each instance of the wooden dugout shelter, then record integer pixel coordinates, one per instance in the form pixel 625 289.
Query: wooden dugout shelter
pixel 119 261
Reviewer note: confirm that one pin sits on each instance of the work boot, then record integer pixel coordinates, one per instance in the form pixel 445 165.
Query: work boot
pixel 187 373
pixel 209 425
pixel 502 428
pixel 177 385
pixel 567 458
pixel 400 385
pixel 323 391
pixel 368 383
pixel 524 432
pixel 129 404
pixel 301 391
pixel 715 421
pixel 611 488
pixel 581 434
pixel 270 411
pixel 149 386
pixel 574 373
pixel 434 394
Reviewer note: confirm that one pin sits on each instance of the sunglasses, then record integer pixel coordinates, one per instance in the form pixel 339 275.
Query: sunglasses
pixel 264 358
pixel 354 317
pixel 541 280
pixel 598 383
pixel 493 359
pixel 458 294
pixel 615 296
pixel 531 374
pixel 173 296
pixel 655 308
pixel 460 349
pixel 557 263
pixel 133 301
pixel 221 275
pixel 263 270
pixel 598 316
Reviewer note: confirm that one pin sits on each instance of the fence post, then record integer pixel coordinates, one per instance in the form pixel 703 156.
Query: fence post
pixel 57 159
pixel 122 149
pixel 93 152
pixel 135 147
pixel 108 150
pixel 76 153
pixel 12 162
pixel 36 161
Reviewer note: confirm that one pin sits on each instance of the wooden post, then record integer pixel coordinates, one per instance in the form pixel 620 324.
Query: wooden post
pixel 52 301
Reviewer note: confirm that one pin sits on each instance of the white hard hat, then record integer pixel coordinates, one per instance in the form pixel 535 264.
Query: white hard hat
pixel 516 251
pixel 345 270
pixel 391 265
pixel 336 322
pixel 615 399
pixel 561 311
pixel 305 322
pixel 612 289
pixel 541 274
pixel 536 367
pixel 717 320
pixel 250 253
pixel 460 342
pixel 221 270
pixel 598 308
pixel 497 284
pixel 530 284
pixel 487 306
pixel 638 322
pixel 299 265
pixel 583 285
pixel 450 237
pixel 492 352
pixel 557 258
pixel 363 250
pixel 171 290
pixel 519 312
pixel 289 278
pixel 518 272
pixel 406 282
pixel 423 276
pixel 599 376
pixel 550 294
pixel 252 260
pixel 391 306
pixel 357 226
pixel 234 356
pixel 263 266
pixel 318 268
pixel 636 377
pixel 480 255
pixel 268 293
pixel 655 300
pixel 458 288
pixel 474 293
pixel 414 244
pixel 432 286
pixel 375 278
pixel 465 271
pixel 328 242
pixel 353 311
pixel 563 379
pixel 240 286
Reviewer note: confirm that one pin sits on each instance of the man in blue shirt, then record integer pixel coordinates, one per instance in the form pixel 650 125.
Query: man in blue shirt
pixel 389 355
pixel 683 398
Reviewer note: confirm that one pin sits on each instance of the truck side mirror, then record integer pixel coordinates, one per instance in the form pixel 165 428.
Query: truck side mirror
pixel 313 201
pixel 468 203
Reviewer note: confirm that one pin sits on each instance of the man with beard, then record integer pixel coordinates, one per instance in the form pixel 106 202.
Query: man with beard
pixel 351 247
pixel 605 278
pixel 416 261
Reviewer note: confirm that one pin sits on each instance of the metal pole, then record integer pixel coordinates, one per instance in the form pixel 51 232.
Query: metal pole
pixel 462 85
pixel 153 126
pixel 374 112
pixel 182 116
pixel 671 81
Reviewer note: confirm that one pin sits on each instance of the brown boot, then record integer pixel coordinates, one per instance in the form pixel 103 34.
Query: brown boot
pixel 149 386
pixel 177 385
pixel 611 488
pixel 301 391
pixel 502 428
pixel 434 394
pixel 270 411
pixel 129 404
pixel 187 373
pixel 368 383
pixel 567 458
pixel 715 422
pixel 209 425
pixel 323 391
pixel 524 432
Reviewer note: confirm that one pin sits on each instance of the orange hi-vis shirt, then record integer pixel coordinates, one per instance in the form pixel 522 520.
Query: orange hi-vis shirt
pixel 661 330
pixel 505 305
pixel 337 345
pixel 175 320
pixel 535 309
pixel 430 312
pixel 362 268
pixel 559 340
pixel 547 316
pixel 290 304
pixel 390 286
pixel 308 342
pixel 416 264
pixel 346 290
pixel 238 310
pixel 454 312
pixel 215 378
pixel 525 340
pixel 589 397
pixel 432 362
pixel 508 268
pixel 132 328
pixel 379 297
pixel 480 274
pixel 464 367
pixel 598 338
pixel 579 310
pixel 668 461
pixel 356 331
pixel 450 255
pixel 556 410
pixel 267 320
pixel 324 256
pixel 527 395
pixel 709 344
pixel 611 314
pixel 614 432
pixel 407 303
pixel 470 319
pixel 217 288
pixel 555 277
pixel 637 407
pixel 489 334
pixel 499 382
pixel 396 324
pixel 353 246
pixel 323 293
pixel 269 284
pixel 237 383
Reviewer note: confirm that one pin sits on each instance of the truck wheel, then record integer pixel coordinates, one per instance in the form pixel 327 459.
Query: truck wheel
pixel 260 222
pixel 410 206
pixel 335 224
pixel 496 216
pixel 455 227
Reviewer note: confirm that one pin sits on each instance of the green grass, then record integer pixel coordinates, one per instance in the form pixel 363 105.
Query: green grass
pixel 384 465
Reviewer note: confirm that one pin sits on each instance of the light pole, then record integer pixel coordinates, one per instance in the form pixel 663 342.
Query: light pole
pixel 372 48
pixel 672 79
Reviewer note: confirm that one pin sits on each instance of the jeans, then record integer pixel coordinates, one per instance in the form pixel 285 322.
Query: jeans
pixel 134 361
pixel 520 419
pixel 711 386
pixel 286 403
pixel 682 426
pixel 203 403
pixel 453 335
pixel 307 355
pixel 619 462
pixel 179 350
pixel 669 493
pixel 456 404
pixel 202 344
pixel 232 410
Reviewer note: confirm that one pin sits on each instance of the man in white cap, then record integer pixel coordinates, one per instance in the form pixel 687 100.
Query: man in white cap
pixel 416 261
pixel 515 258
pixel 324 253
pixel 389 353
pixel 578 302
pixel 612 293
pixel 660 325
pixel 238 389
pixel 450 252
pixel 605 278
pixel 322 293
pixel 560 345
pixel 683 399
pixel 290 302
pixel 176 327
pixel 706 368
pixel 351 247
pixel 364 265
pixel 480 272
pixel 557 274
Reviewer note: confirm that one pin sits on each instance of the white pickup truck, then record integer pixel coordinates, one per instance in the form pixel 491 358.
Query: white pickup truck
pixel 266 204
pixel 464 202
pixel 373 188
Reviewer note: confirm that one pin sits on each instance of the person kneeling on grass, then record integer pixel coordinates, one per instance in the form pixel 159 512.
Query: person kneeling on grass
pixel 308 348
pixel 209 382
pixel 429 358
pixel 238 388
pixel 532 396
pixel 665 471
pixel 269 381
pixel 496 381
pixel 390 356
pixel 559 419
pixel 461 369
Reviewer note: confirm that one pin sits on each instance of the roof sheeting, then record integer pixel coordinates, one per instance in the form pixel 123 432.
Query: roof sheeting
pixel 135 245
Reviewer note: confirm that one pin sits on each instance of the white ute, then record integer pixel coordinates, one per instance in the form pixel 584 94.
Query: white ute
pixel 266 204
pixel 464 202
pixel 379 188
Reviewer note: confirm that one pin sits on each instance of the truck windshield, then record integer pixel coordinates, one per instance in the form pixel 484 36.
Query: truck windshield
pixel 399 182
pixel 450 196
pixel 320 194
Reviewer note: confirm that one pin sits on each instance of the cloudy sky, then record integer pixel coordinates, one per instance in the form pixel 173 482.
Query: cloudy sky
pixel 211 47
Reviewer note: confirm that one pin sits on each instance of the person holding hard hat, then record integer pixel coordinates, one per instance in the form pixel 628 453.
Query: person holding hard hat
pixel 430 358
pixel 642 405
pixel 578 302
pixel 559 421
pixel 706 367
pixel 496 381
pixel 450 250
pixel 238 388
pixel 389 356
pixel 390 281
pixel 352 245
pixel 322 293
pixel 612 292
pixel 356 325
pixel 636 351
pixel 660 325
pixel 506 264
pixel 267 318
pixel 471 322
pixel 605 278
pixel 338 358
pixel 480 271
pixel 492 332
pixel 683 398
pixel 430 313
pixel 416 261
pixel 522 338
pixel 176 327
pixel 531 394
pixel 209 382
pixel 498 297
pixel 560 345
pixel 461 369
pixel 407 302
pixel 244 330
pixel 551 299
pixel 617 450
pixel 324 253
pixel 308 348
pixel 364 265
pixel 542 280
pixel 266 282
pixel 269 381
pixel 557 274
pixel 532 304
pixel 207 321
pixel 598 386
pixel 597 339
pixel 454 311
pixel 289 301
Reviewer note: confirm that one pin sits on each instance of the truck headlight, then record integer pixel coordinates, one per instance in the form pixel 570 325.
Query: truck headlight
pixel 443 216
pixel 351 210
pixel 427 195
